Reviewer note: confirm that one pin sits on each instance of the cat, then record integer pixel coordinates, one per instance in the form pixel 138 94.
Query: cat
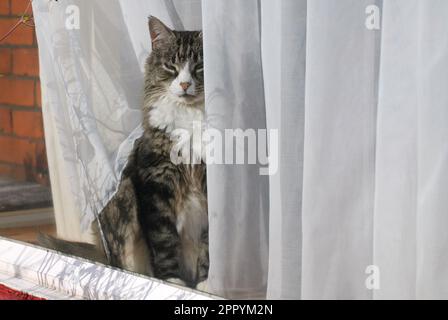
pixel 157 223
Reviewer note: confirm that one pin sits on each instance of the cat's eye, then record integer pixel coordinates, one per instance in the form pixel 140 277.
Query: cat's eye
pixel 170 68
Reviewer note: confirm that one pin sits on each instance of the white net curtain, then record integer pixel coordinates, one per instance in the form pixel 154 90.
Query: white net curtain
pixel 362 120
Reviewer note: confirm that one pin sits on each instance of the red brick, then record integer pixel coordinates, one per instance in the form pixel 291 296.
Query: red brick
pixel 4 7
pixel 38 96
pixel 13 171
pixel 22 35
pixel 5 121
pixel 18 7
pixel 17 91
pixel 5 61
pixel 18 151
pixel 27 124
pixel 33 167
pixel 25 62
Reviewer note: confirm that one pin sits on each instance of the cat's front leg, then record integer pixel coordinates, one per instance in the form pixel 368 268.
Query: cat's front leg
pixel 203 263
pixel 165 248
pixel 202 286
pixel 177 281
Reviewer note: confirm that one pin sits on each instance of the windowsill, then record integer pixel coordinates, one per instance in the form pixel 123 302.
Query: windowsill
pixel 24 205
pixel 20 196
pixel 29 268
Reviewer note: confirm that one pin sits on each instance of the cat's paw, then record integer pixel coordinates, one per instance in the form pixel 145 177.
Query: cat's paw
pixel 202 286
pixel 176 281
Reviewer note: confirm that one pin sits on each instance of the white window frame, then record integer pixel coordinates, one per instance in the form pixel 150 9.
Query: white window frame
pixel 48 274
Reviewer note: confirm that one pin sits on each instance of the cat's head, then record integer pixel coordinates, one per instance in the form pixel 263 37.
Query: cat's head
pixel 175 68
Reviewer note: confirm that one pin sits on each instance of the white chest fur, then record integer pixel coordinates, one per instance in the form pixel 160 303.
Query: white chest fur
pixel 184 124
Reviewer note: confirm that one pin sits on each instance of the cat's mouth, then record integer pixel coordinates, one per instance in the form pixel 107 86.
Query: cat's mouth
pixel 187 96
pixel 189 99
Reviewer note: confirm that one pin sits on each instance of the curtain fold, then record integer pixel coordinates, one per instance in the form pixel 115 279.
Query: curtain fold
pixel 411 173
pixel 397 152
pixel 284 63
pixel 237 194
pixel 339 150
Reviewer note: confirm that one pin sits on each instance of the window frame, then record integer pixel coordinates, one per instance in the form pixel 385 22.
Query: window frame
pixel 52 275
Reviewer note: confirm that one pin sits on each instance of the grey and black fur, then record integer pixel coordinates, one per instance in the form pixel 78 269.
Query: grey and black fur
pixel 156 223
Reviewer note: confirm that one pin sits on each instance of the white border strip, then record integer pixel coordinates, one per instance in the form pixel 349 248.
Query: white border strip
pixel 81 279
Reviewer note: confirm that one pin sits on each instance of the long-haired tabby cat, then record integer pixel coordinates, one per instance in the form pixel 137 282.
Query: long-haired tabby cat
pixel 156 223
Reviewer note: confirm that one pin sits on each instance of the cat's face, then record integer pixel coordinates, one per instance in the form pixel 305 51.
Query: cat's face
pixel 175 68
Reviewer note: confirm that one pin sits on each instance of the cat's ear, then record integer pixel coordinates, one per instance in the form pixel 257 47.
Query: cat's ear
pixel 159 32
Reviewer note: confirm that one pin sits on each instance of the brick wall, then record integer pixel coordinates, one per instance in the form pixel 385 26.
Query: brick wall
pixel 22 146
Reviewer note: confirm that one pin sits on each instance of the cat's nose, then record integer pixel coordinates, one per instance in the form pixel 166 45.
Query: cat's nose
pixel 185 85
